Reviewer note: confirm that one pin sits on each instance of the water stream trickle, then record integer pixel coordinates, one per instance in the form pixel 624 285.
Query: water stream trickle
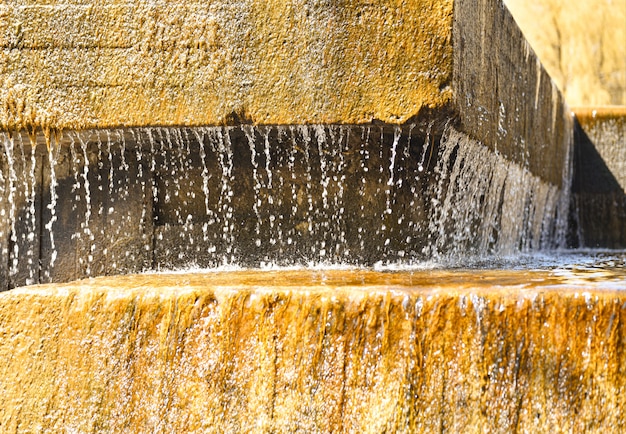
pixel 162 198
pixel 9 145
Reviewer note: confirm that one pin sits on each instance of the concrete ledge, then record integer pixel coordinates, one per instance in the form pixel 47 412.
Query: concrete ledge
pixel 315 352
pixel 88 65
pixel 93 65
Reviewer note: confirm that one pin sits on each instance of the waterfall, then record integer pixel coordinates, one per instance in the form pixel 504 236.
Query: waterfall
pixel 169 198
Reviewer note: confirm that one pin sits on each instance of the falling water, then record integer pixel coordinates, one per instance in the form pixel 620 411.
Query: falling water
pixel 9 146
pixel 163 198
pixel 53 149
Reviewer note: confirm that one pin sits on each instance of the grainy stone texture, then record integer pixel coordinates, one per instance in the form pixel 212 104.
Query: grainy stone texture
pixel 101 64
pixel 599 184
pixel 504 97
pixel 313 352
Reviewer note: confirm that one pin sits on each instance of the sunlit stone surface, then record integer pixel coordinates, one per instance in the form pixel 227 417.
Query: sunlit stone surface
pixel 155 135
pixel 317 351
pixel 581 44
pixel 103 64
pixel 93 64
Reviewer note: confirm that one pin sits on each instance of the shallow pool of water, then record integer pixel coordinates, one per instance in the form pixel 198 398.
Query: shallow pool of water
pixel 575 270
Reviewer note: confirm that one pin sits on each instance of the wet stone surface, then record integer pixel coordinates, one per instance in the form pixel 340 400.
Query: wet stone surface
pixel 599 182
pixel 319 351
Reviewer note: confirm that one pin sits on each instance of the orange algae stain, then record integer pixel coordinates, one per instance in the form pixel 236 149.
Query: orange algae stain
pixel 314 350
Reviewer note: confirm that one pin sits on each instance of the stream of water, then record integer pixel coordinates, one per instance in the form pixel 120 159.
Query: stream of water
pixel 119 201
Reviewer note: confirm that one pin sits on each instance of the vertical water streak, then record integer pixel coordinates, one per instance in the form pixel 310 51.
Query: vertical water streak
pixel 199 133
pixel 364 156
pixel 221 140
pixel 151 141
pixel 291 166
pixel 87 188
pixel 268 187
pixel 268 161
pixel 320 135
pixel 397 132
pixel 304 132
pixel 110 159
pixel 9 148
pixel 342 147
pixel 281 230
pixel 249 132
pixel 136 139
pixel 427 148
pixel 33 260
pixel 53 152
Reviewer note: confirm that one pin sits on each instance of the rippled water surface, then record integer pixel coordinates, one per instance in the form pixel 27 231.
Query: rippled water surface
pixel 577 270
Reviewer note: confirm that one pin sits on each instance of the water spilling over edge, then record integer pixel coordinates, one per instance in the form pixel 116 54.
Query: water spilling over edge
pixel 119 201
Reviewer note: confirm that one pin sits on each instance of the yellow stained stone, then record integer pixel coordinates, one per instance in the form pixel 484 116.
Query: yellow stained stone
pixel 97 64
pixel 316 351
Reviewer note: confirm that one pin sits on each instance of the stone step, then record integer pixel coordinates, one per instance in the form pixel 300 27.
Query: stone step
pixel 314 351
pixel 77 65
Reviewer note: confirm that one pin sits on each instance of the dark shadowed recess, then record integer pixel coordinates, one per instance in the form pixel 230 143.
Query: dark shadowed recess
pixel 598 208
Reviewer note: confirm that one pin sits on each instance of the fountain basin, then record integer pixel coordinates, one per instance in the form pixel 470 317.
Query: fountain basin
pixel 319 351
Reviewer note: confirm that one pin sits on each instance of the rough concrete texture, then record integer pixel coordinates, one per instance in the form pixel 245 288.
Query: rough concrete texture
pixel 314 352
pixel 98 64
pixel 606 128
pixel 92 65
pixel 599 183
pixel 581 44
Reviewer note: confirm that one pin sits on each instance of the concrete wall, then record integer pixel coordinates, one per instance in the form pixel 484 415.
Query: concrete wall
pixel 102 64
pixel 599 184
pixel 109 65
pixel 314 352
pixel 504 97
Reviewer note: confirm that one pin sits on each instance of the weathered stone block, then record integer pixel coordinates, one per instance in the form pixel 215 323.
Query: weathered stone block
pixel 101 65
pixel 90 65
pixel 314 351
